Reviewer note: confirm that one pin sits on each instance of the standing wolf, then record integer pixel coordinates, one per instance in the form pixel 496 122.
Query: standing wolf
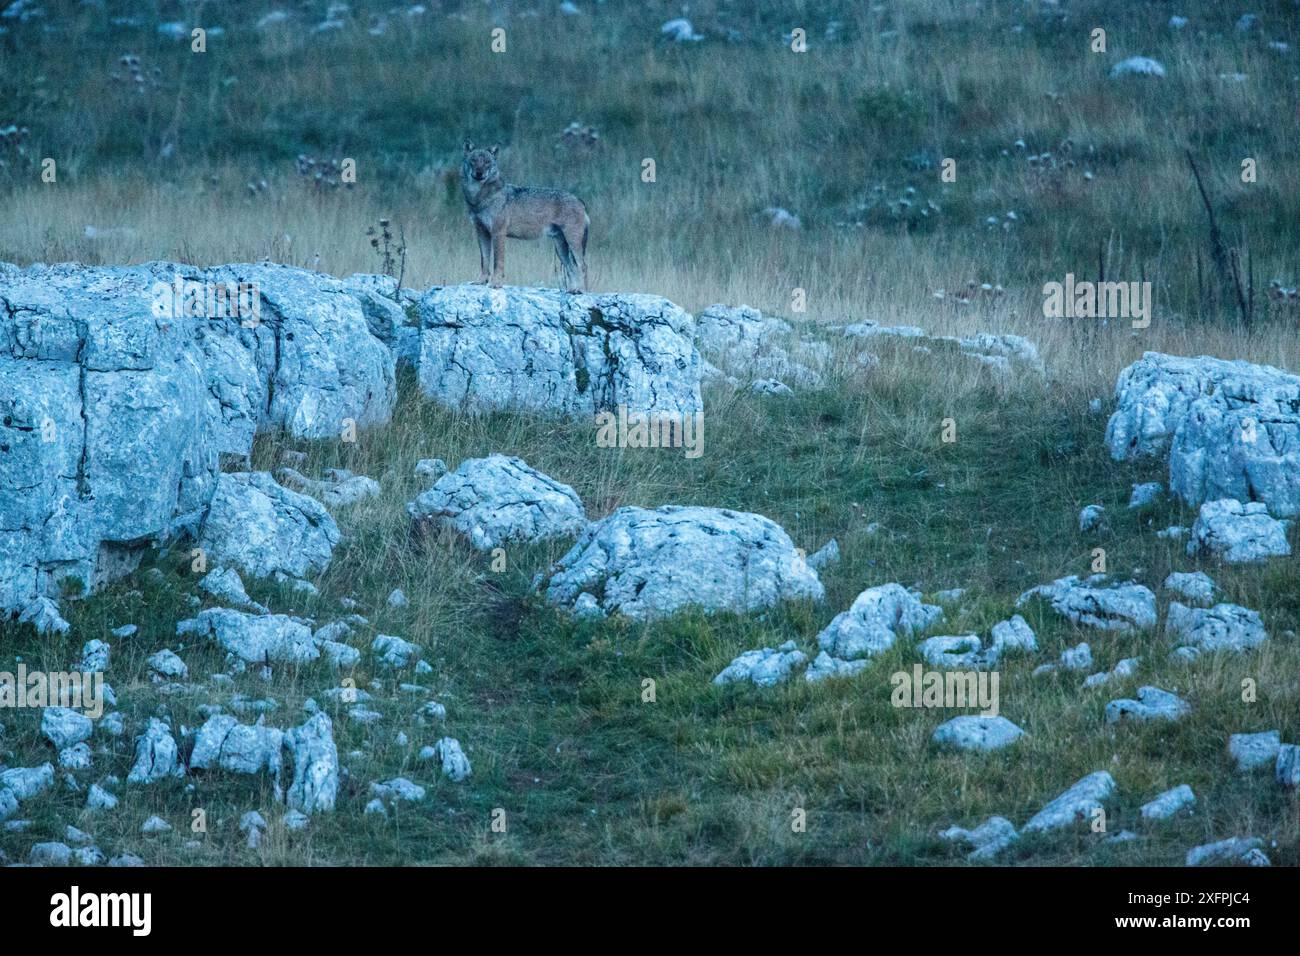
pixel 499 209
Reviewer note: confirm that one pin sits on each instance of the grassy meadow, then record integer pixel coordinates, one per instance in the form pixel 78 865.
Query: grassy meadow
pixel 197 160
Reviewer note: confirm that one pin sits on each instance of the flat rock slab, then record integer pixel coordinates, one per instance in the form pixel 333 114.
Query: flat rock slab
pixel 969 732
pixel 500 500
pixel 651 563
pixel 1093 602
pixel 1224 627
pixel 554 352
pixel 1152 704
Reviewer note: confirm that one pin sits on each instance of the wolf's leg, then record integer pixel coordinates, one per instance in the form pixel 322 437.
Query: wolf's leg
pixel 484 253
pixel 498 256
pixel 575 238
pixel 565 255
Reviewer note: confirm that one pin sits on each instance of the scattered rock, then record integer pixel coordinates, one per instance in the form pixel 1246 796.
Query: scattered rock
pixel 393 652
pixel 225 585
pixel 1125 668
pixel 764 667
pixel 1145 494
pixel 956 651
pixel 1077 658
pixel 50 854
pixel 155 754
pixel 1195 588
pixel 223 743
pixel 1152 704
pixel 1169 803
pixel 1093 603
pixel 1081 801
pixel 1237 533
pixel 1287 768
pixel 759 348
pixel 827 557
pixel 455 765
pixel 877 617
pixel 987 840
pixel 501 500
pixel 254 639
pixel 969 732
pixel 1239 850
pixel 155 824
pixel 165 665
pixel 253 825
pixel 430 469
pixel 825 666
pixel 315 760
pixel 95 655
pixel 262 528
pixel 1222 627
pixel 1253 751
pixel 1137 66
pixel 43 615
pixel 397 599
pixel 23 783
pixel 64 727
pixel 1092 518
pixel 339 488
pixel 97 798
pixel 651 563
pixel 399 789
pixel 1014 634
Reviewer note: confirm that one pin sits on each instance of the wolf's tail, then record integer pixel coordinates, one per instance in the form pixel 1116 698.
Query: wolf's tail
pixel 586 227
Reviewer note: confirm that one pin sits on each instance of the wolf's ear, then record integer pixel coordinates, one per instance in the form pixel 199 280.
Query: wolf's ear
pixel 494 150
pixel 468 146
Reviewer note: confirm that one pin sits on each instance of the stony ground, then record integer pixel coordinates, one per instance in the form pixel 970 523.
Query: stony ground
pixel 550 708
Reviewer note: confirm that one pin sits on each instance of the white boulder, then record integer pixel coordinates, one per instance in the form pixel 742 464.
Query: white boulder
pixel 500 500
pixel 651 563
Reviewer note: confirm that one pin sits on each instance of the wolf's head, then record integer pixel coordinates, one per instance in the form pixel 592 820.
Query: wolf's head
pixel 479 165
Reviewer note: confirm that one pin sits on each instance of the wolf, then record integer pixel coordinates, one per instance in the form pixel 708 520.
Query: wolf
pixel 499 209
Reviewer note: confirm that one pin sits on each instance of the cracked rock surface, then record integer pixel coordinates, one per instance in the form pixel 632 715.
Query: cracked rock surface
pixel 1231 428
pixel 114 412
pixel 499 500
pixel 260 527
pixel 1238 533
pixel 651 563
pixel 554 352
